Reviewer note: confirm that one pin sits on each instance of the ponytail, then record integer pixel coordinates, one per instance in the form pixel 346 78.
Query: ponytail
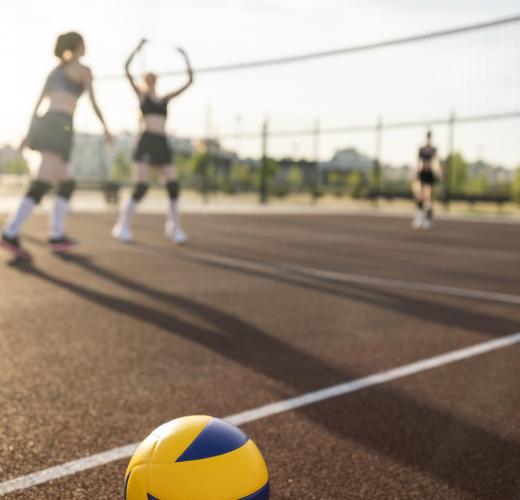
pixel 67 43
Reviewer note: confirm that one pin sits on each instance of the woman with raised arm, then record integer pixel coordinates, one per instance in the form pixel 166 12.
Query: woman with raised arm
pixel 51 135
pixel 153 150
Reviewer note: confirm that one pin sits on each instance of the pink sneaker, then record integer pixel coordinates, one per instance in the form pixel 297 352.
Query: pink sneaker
pixel 13 245
pixel 62 244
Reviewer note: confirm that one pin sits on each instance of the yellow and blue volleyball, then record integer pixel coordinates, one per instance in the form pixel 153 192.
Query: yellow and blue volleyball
pixel 197 458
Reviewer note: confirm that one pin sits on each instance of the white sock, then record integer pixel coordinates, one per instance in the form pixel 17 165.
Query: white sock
pixel 174 217
pixel 58 216
pixel 16 221
pixel 126 214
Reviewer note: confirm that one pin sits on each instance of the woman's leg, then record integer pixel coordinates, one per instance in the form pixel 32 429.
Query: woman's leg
pixel 60 210
pixel 122 230
pixel 417 192
pixel 428 204
pixel 173 228
pixel 52 169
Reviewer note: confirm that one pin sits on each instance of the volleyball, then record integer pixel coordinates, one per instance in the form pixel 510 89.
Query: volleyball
pixel 197 458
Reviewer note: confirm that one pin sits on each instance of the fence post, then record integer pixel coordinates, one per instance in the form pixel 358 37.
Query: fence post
pixel 316 188
pixel 208 151
pixel 264 195
pixel 449 160
pixel 376 168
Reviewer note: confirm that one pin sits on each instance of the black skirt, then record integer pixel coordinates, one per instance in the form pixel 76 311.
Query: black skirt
pixel 52 133
pixel 153 149
pixel 427 177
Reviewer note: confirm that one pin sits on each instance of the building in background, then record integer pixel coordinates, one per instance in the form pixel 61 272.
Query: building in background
pixel 348 160
pixel 492 174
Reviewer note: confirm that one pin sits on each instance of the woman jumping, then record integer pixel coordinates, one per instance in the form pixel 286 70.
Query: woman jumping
pixel 51 135
pixel 153 150
pixel 426 174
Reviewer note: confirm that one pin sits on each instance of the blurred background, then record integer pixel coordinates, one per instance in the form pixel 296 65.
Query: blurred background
pixel 341 127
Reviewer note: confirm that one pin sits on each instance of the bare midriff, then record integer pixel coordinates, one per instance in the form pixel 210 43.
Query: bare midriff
pixel 155 124
pixel 62 102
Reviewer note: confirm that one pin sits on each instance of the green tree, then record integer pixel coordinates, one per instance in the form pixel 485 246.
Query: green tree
pixel 515 186
pixel 295 179
pixel 338 182
pixel 268 170
pixel 200 163
pixel 458 172
pixel 121 168
pixel 355 183
pixel 241 178
pixel 202 166
pixel 477 185
pixel 271 168
pixel 184 168
pixel 16 167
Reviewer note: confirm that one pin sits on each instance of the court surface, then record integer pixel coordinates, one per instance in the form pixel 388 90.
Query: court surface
pixel 102 345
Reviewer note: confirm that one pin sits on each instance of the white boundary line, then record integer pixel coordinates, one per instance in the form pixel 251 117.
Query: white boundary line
pixel 409 246
pixel 359 278
pixel 124 452
pixel 416 286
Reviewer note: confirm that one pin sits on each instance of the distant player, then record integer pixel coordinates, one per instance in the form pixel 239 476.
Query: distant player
pixel 153 151
pixel 51 135
pixel 426 175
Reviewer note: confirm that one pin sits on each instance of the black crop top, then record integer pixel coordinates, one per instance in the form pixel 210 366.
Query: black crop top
pixel 427 153
pixel 150 106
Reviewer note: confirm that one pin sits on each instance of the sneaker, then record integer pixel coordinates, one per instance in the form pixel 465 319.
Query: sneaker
pixel 179 236
pixel 13 245
pixel 175 233
pixel 62 244
pixel 122 234
pixel 418 220
pixel 427 224
pixel 428 220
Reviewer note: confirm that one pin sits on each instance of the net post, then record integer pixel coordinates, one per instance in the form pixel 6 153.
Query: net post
pixel 449 160
pixel 316 188
pixel 376 167
pixel 264 195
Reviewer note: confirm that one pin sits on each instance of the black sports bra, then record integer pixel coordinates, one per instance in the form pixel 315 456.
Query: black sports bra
pixel 427 153
pixel 150 106
pixel 58 80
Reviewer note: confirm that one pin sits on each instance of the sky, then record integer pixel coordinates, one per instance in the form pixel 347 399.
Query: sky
pixel 473 74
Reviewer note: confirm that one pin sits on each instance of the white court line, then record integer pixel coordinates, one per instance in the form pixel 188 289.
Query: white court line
pixel 416 286
pixel 409 246
pixel 360 278
pixel 125 452
pixel 331 275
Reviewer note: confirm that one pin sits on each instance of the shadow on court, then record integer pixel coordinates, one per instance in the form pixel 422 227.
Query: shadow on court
pixel 450 315
pixel 439 444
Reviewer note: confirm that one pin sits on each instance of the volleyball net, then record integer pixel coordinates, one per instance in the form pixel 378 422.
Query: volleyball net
pixel 345 121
